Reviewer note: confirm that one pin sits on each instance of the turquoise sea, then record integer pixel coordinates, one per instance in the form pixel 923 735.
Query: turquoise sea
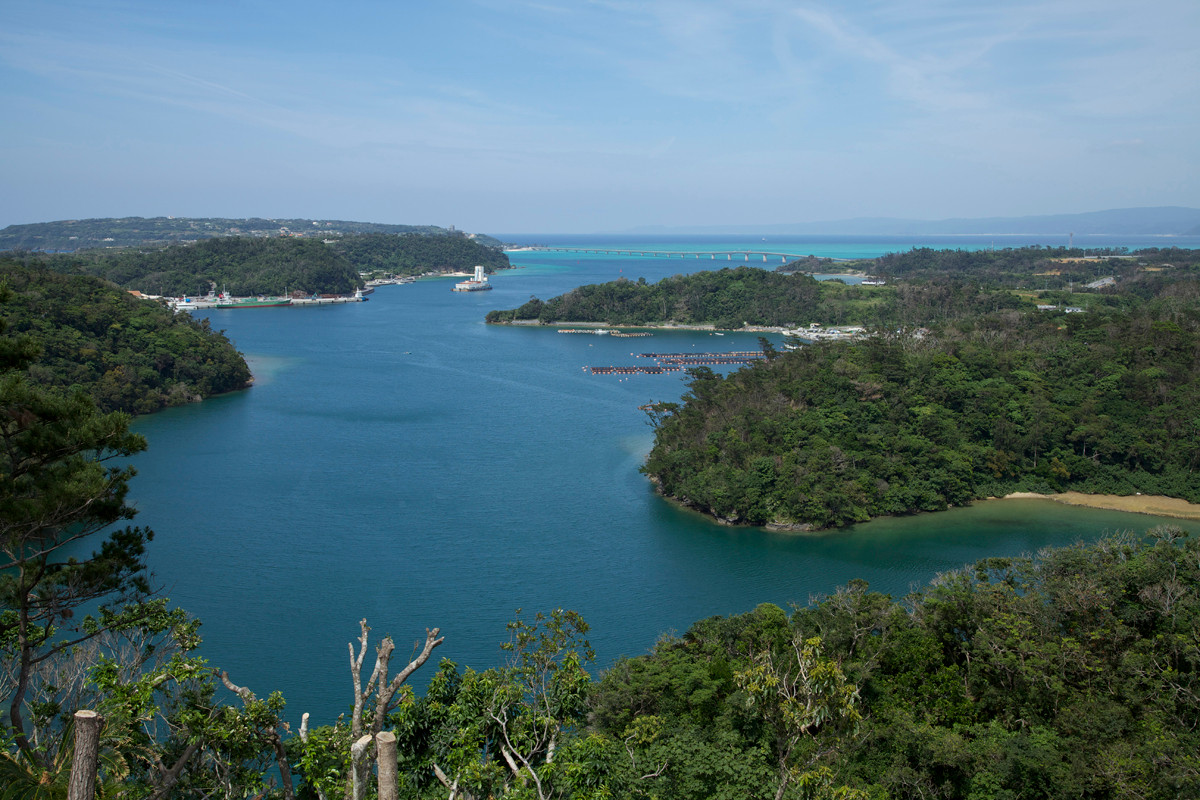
pixel 400 460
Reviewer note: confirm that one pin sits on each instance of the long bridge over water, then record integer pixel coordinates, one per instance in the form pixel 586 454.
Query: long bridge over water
pixel 743 255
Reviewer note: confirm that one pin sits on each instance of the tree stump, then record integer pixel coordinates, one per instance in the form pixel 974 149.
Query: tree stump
pixel 385 741
pixel 87 755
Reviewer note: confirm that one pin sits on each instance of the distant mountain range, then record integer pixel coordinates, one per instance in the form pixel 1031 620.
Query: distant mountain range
pixel 83 234
pixel 1160 221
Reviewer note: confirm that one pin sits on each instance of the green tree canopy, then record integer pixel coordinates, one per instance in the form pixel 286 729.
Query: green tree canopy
pixel 128 354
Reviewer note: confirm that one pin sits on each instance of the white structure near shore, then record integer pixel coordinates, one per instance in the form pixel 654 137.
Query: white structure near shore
pixel 477 284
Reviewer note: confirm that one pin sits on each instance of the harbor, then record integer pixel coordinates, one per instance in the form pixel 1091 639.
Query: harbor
pixel 223 301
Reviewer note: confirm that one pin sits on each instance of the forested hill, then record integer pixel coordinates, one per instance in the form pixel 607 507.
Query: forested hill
pixel 81 234
pixel 239 265
pixel 1075 675
pixel 968 282
pixel 249 266
pixel 128 354
pixel 748 296
pixel 726 298
pixel 415 254
pixel 1038 266
pixel 1105 401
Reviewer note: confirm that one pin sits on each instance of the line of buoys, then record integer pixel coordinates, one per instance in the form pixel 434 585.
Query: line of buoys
pixel 725 354
pixel 633 370
pixel 709 361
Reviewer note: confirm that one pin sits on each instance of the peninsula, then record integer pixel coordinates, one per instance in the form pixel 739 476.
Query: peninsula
pixel 246 265
pixel 982 374
pixel 128 354
pixel 998 391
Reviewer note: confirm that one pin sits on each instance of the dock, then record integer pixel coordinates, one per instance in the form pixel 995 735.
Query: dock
pixel 607 332
pixel 325 301
pixel 677 362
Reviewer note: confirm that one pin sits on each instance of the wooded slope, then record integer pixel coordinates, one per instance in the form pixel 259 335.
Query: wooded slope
pixel 1105 401
pixel 415 254
pixel 129 354
pixel 726 298
pixel 1076 674
pixel 244 266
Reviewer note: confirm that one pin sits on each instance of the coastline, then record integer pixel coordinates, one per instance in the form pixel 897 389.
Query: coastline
pixel 1155 505
pixel 665 326
pixel 1152 505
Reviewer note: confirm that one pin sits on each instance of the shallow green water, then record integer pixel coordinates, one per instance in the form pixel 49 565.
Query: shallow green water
pixel 401 461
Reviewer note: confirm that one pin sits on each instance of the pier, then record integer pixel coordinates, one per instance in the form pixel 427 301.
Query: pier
pixel 607 332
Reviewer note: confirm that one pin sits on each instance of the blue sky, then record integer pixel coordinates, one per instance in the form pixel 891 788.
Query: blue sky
pixel 574 116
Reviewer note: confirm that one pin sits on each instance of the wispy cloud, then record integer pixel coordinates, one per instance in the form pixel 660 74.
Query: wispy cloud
pixel 700 95
pixel 332 109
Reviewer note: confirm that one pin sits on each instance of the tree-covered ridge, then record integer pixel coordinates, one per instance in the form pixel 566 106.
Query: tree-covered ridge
pixel 1075 674
pixel 246 266
pixel 241 266
pixel 1040 267
pixel 726 298
pixel 128 354
pixel 416 254
pixel 1104 402
pixel 80 234
pixel 936 285
pixel 749 296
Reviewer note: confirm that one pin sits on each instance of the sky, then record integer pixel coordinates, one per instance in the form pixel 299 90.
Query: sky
pixel 578 116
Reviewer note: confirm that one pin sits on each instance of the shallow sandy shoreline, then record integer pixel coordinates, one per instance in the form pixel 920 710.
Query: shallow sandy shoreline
pixel 1140 503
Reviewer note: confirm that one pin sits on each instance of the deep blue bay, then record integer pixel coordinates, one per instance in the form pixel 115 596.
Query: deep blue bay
pixel 402 461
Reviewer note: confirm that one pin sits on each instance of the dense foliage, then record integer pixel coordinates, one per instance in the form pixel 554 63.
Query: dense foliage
pixel 937 285
pixel 240 266
pixel 748 296
pixel 1043 267
pixel 813 264
pixel 128 354
pixel 80 234
pixel 1105 401
pixel 81 626
pixel 726 298
pixel 244 266
pixel 1073 674
pixel 1076 674
pixel 414 254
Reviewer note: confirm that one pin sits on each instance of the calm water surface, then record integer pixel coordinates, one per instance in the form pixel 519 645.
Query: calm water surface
pixel 401 461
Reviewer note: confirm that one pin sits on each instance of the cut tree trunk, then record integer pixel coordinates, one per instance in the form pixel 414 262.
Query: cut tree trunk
pixel 82 785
